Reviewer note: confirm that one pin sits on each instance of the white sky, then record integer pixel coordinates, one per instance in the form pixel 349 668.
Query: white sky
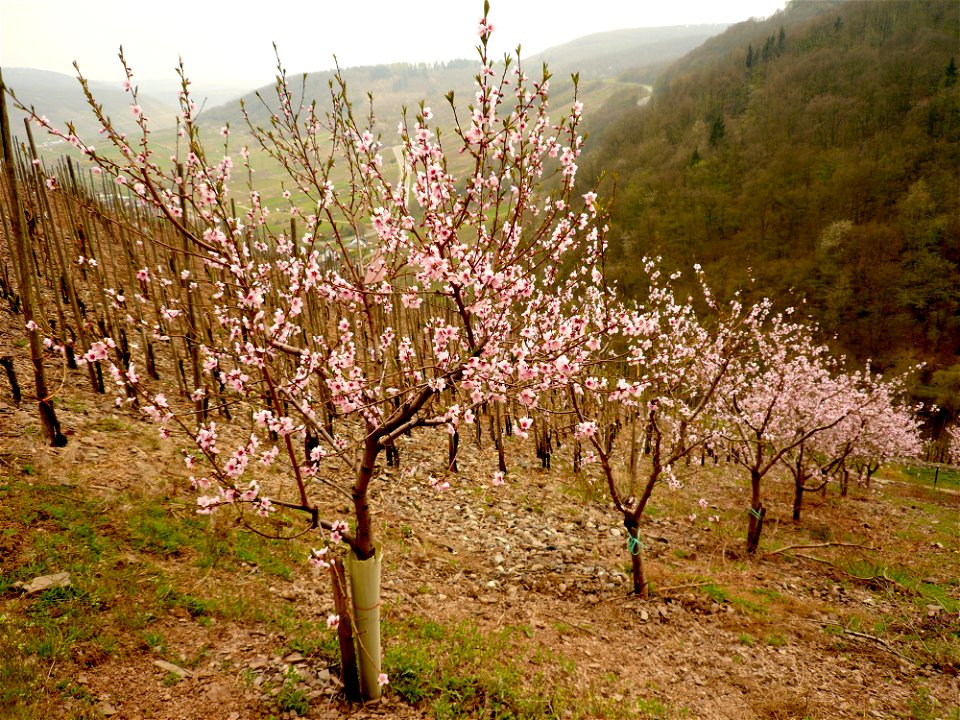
pixel 230 41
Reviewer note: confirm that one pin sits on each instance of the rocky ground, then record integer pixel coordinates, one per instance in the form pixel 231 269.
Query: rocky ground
pixel 533 573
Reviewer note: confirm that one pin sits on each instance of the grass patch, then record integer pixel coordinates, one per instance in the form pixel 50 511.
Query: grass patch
pixel 113 424
pixel 945 476
pixel 895 578
pixel 460 670
pixel 117 591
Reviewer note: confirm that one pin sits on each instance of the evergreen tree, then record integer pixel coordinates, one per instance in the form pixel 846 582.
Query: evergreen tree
pixel 717 131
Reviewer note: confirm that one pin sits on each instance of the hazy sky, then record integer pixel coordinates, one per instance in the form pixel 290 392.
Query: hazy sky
pixel 231 41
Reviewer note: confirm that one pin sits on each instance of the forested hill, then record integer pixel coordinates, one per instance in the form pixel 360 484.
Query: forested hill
pixel 819 151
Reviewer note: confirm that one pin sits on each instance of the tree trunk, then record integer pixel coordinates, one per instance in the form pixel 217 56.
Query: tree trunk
pixel 635 548
pixel 364 565
pixel 361 504
pixel 757 514
pixel 348 653
pixel 453 446
pixel 797 496
pixel 7 363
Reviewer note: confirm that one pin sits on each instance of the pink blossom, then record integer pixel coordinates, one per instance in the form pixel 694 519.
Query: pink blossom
pixel 585 430
pixel 524 424
pixel 318 558
pixel 437 484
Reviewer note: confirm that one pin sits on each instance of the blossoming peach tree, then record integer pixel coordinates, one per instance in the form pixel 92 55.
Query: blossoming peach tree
pixel 875 425
pixel 788 393
pixel 673 361
pixel 405 303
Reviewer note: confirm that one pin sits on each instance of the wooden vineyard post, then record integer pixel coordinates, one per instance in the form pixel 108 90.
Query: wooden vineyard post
pixel 47 414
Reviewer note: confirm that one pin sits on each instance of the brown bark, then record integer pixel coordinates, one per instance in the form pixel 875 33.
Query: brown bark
pixel 348 653
pixel 797 498
pixel 757 513
pixel 635 548
pixel 361 503
pixel 7 363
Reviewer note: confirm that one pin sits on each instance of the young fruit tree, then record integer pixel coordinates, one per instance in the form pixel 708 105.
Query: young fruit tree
pixel 953 444
pixel 878 426
pixel 672 365
pixel 891 430
pixel 406 303
pixel 777 395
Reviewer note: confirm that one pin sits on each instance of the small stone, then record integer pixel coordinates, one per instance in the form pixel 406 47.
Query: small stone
pixel 170 667
pixel 662 611
pixel 498 559
pixel 45 582
pixel 644 615
pixel 294 658
pixel 106 709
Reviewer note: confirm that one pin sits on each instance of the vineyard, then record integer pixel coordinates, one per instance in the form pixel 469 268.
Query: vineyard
pixel 407 450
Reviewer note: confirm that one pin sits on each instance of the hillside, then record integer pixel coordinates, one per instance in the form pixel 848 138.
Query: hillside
pixel 598 57
pixel 255 470
pixel 636 50
pixel 60 98
pixel 818 152
pixel 512 598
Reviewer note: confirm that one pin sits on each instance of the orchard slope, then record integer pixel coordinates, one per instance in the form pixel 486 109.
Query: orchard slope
pixel 291 366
